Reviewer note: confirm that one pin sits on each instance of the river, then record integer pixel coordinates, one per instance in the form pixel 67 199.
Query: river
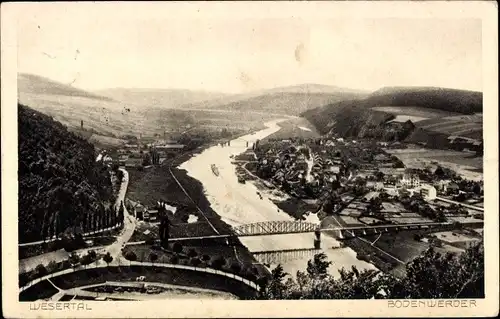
pixel 239 204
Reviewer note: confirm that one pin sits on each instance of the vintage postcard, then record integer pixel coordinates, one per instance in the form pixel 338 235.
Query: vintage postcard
pixel 249 159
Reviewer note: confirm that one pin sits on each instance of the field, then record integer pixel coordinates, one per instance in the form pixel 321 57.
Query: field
pixel 463 163
pixel 470 126
pixel 392 207
pixel 294 128
pixel 294 207
pixel 210 248
pixel 455 237
pixel 101 140
pixel 409 220
pixel 105 117
pixel 390 252
pixel 420 112
pixel 110 120
pixel 156 183
pixel 145 231
pixel 405 118
pixel 401 245
pixel 351 221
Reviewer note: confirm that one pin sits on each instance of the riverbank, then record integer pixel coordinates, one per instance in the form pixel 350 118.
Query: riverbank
pixel 159 183
pixel 238 204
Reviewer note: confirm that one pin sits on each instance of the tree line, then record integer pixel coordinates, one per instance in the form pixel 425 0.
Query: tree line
pixel 431 275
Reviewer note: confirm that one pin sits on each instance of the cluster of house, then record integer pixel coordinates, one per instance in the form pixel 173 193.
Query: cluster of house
pixel 295 164
pixel 465 144
pixel 320 164
pixel 412 184
pixel 133 155
pixel 104 157
pixel 142 212
pixel 148 214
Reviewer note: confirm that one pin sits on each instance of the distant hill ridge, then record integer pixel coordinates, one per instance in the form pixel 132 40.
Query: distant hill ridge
pixel 289 100
pixel 162 98
pixel 35 84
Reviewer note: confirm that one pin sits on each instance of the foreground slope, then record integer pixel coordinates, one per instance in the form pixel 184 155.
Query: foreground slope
pixel 61 186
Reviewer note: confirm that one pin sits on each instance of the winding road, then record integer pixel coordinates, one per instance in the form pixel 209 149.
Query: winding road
pixel 114 249
pixel 128 224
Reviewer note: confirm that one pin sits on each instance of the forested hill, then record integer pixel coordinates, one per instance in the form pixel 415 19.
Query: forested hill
pixel 355 117
pixel 60 184
pixel 444 99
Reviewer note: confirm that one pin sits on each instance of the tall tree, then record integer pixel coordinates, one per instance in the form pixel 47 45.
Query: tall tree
pixel 318 266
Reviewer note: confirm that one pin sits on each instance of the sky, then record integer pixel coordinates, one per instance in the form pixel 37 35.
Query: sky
pixel 148 48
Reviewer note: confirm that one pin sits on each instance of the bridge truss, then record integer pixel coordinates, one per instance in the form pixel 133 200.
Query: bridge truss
pixel 274 228
pixel 283 256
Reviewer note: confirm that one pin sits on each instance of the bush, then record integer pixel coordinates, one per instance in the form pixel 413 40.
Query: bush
pixel 108 258
pixel 236 268
pixel 130 255
pixel 52 267
pixel 174 259
pixel 195 261
pixel 251 277
pixel 40 270
pixel 177 248
pixel 262 282
pixel 74 259
pixel 23 279
pixel 153 257
pixel 64 264
pixel 92 254
pixel 218 262
pixel 362 257
pixel 254 270
pixel 205 258
pixel 192 253
pixel 86 260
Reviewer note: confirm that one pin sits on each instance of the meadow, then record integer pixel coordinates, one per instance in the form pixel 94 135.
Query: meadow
pixel 414 111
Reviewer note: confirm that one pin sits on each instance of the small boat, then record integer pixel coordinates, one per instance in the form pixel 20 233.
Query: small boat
pixel 215 170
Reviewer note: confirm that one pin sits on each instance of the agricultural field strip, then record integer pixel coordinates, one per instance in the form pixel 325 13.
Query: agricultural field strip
pixel 467 131
pixel 445 123
pixel 427 124
pixel 413 111
pixel 457 127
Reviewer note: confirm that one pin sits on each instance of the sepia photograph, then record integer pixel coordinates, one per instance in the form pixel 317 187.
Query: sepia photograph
pixel 192 152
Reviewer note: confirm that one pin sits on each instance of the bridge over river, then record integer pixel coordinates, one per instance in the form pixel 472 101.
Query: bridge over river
pixel 295 227
pixel 269 228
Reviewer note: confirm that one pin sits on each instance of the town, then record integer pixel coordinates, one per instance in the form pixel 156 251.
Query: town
pixel 356 182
